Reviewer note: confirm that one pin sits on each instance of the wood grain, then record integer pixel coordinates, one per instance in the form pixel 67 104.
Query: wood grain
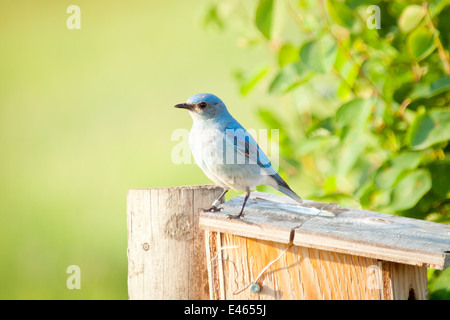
pixel 344 230
pixel 303 273
pixel 166 249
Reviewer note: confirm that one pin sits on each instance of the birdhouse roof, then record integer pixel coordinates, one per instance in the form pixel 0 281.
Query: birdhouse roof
pixel 330 227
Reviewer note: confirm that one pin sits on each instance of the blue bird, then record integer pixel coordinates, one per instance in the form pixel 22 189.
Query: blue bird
pixel 227 153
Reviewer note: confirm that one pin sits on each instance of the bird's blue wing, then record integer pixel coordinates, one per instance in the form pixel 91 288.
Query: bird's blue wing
pixel 245 146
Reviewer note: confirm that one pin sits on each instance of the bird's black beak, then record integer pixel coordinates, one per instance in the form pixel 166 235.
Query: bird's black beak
pixel 184 106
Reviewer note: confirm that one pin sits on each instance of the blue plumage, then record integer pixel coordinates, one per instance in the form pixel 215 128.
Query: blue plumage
pixel 226 152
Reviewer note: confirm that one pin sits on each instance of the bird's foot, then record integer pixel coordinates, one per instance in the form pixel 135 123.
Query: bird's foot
pixel 213 209
pixel 240 215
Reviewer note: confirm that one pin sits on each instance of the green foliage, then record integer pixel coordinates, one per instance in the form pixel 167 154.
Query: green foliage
pixel 368 117
pixel 430 128
pixel 421 43
pixel 411 17
pixel 264 14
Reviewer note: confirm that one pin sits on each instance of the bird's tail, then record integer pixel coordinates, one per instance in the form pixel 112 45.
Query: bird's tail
pixel 283 187
pixel 288 191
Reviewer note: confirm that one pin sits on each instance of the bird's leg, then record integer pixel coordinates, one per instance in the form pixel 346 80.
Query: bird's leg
pixel 216 203
pixel 240 215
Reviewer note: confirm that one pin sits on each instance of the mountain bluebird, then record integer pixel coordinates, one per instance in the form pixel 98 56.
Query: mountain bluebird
pixel 226 152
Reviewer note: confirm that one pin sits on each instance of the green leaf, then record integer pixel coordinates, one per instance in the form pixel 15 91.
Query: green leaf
pixel 212 18
pixel 247 84
pixel 264 15
pixel 430 128
pixel 349 73
pixel 421 90
pixel 289 77
pixel 410 190
pixel 282 81
pixel 440 85
pixel 354 113
pixel 287 54
pixel 319 55
pixel 388 174
pixel 330 185
pixel 436 7
pixel 341 13
pixel 439 284
pixel 440 174
pixel 349 154
pixel 312 144
pixel 269 118
pixel 352 117
pixel 420 43
pixel 410 17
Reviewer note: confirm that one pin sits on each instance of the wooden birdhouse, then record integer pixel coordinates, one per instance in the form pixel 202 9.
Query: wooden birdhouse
pixel 280 250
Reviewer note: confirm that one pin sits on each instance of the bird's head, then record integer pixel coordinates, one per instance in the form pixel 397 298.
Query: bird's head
pixel 204 106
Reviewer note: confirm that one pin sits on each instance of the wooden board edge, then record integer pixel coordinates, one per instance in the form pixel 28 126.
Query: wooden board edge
pixel 435 261
pixel 208 221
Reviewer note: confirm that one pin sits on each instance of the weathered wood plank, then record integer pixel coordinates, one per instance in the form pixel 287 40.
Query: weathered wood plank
pixel 403 281
pixel 300 273
pixel 288 272
pixel 344 230
pixel 166 249
pixel 381 236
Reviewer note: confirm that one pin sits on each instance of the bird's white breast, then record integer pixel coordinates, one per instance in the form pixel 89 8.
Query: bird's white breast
pixel 206 146
pixel 210 154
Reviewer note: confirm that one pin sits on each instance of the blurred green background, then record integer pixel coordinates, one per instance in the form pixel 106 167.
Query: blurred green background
pixel 87 114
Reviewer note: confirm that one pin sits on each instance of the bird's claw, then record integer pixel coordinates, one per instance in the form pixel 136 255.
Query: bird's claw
pixel 213 209
pixel 235 216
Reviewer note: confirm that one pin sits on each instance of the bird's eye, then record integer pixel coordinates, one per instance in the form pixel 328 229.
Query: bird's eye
pixel 202 105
